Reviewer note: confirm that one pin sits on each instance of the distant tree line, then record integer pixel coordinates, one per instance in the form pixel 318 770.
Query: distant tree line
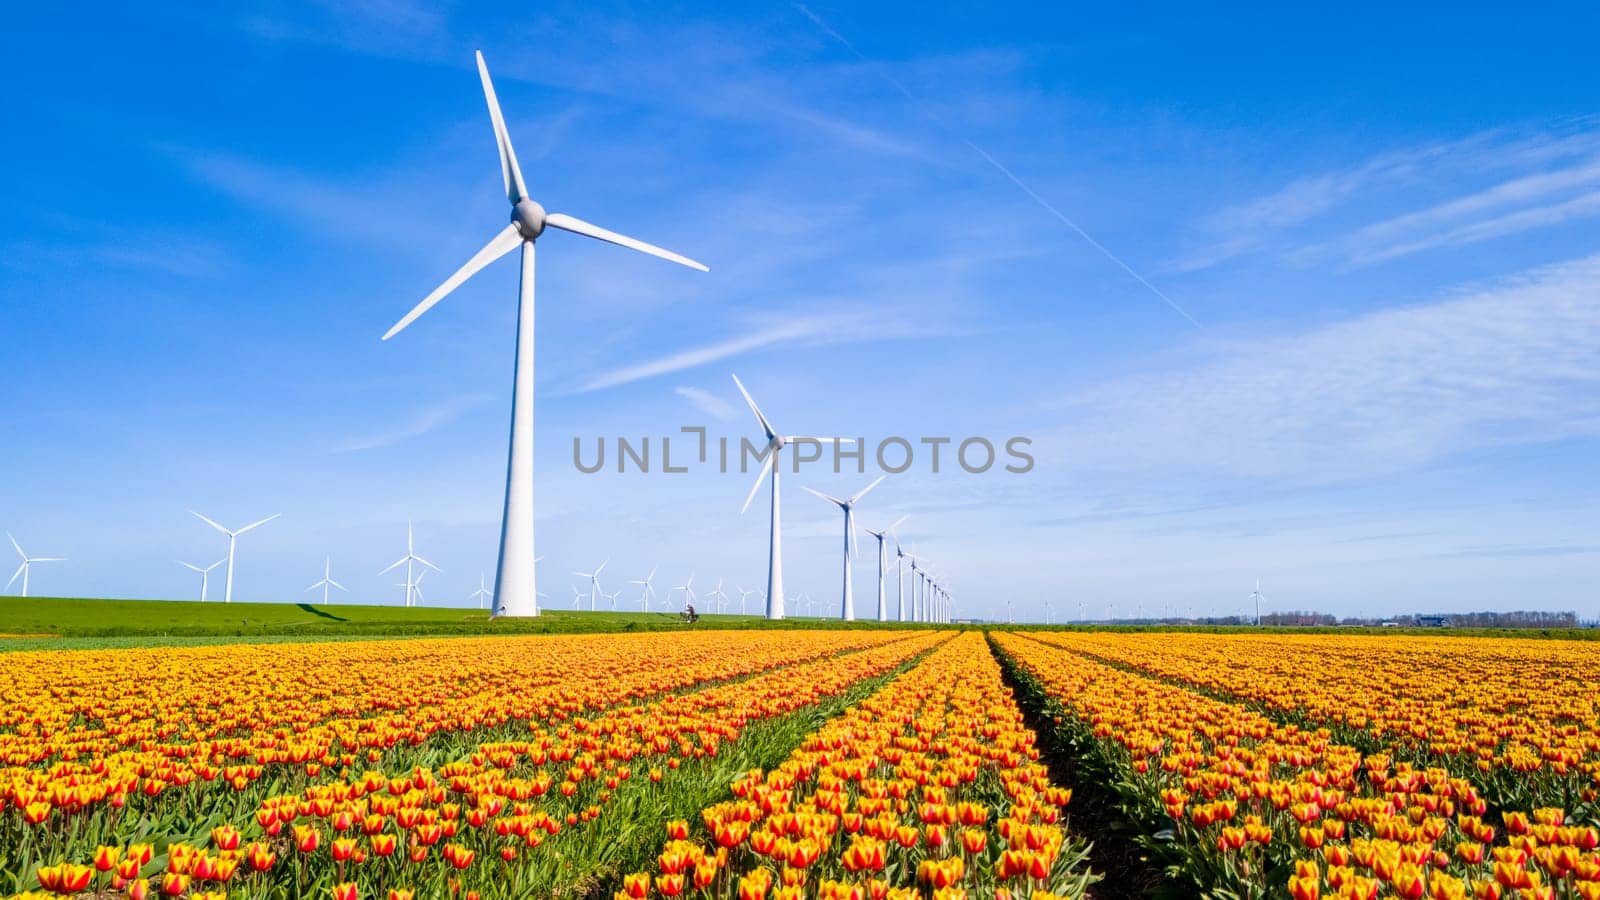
pixel 1306 618
pixel 1526 618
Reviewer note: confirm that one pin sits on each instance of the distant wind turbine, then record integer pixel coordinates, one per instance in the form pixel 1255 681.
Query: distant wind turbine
pixel 1257 596
pixel 482 594
pixel 410 560
pixel 847 605
pixel 233 536
pixel 743 595
pixel 515 594
pixel 27 564
pixel 205 574
pixel 773 464
pixel 688 590
pixel 327 580
pixel 648 589
pixel 918 601
pixel 883 604
pixel 900 556
pixel 718 597
pixel 594 582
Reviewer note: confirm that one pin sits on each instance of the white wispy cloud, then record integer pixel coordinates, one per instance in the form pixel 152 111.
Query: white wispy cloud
pixel 1440 225
pixel 419 424
pixel 706 402
pixel 1284 222
pixel 1581 207
pixel 793 330
pixel 1512 363
pixel 333 206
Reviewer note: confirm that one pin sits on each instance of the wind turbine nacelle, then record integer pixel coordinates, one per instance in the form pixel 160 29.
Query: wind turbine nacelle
pixel 528 216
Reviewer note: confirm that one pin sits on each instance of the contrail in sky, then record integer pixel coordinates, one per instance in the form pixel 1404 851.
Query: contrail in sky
pixel 988 158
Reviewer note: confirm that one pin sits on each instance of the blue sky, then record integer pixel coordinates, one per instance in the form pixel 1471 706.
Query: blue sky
pixel 1384 222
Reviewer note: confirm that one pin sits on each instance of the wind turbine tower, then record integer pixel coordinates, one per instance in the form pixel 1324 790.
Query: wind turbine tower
pixel 205 574
pixel 233 537
pixel 27 564
pixel 410 560
pixel 514 589
pixel 327 580
pixel 883 600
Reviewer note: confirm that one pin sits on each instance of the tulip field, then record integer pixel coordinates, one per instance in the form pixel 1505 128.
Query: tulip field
pixel 913 763
pixel 1316 766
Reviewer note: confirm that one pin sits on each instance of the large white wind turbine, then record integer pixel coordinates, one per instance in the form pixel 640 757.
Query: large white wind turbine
pixel 883 604
pixel 773 464
pixel 847 605
pixel 205 574
pixel 227 595
pixel 647 589
pixel 410 560
pixel 594 582
pixel 27 564
pixel 327 580
pixel 514 590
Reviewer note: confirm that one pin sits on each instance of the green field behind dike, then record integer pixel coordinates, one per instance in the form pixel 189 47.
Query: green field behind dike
pixel 54 623
pixel 33 623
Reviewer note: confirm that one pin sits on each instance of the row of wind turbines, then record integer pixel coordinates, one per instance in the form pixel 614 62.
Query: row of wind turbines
pixel 416 567
pixel 515 587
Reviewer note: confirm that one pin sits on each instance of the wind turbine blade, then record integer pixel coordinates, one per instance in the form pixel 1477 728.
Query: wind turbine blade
pixel 428 564
pixel 834 500
pixel 761 477
pixel 510 172
pixel 395 565
pixel 254 525
pixel 765 425
pixel 579 226
pixel 339 586
pixel 17 545
pixel 313 587
pixel 189 566
pixel 824 440
pixel 48 559
pixel 897 523
pixel 17 574
pixel 507 240
pixel 863 491
pixel 850 526
pixel 191 512
pixel 601 566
